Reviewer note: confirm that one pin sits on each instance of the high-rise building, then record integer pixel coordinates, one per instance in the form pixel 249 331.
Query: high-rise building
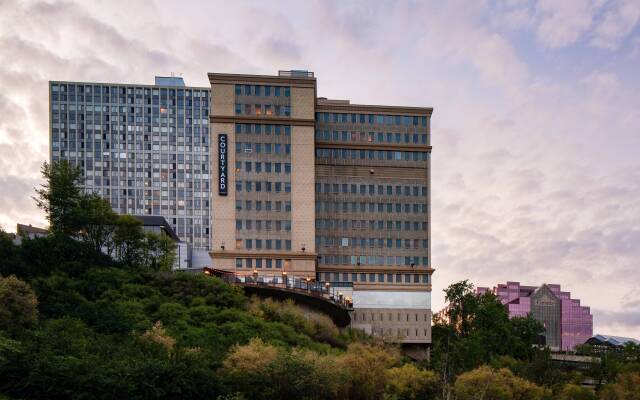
pixel 567 323
pixel 325 189
pixel 145 148
pixel 315 188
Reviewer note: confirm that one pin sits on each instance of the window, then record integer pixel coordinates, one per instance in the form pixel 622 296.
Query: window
pixel 238 262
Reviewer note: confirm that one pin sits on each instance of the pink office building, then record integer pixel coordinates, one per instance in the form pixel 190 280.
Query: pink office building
pixel 566 322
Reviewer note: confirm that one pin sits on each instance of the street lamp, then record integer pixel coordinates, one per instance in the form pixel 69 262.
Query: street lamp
pixel 255 275
pixel 308 280
pixel 284 278
pixel 327 285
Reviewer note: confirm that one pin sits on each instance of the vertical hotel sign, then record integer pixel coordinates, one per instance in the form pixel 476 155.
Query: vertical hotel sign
pixel 222 164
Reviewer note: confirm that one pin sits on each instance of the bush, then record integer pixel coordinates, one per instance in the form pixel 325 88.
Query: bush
pixel 18 305
pixel 489 384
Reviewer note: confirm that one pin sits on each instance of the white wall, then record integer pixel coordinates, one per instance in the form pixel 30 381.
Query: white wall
pixel 391 299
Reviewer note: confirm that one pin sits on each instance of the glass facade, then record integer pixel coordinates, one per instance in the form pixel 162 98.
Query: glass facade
pixel 143 148
pixel 567 323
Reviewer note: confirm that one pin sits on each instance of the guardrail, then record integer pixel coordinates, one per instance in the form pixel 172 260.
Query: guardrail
pixel 300 285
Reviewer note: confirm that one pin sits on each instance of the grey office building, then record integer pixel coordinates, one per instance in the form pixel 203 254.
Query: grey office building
pixel 145 148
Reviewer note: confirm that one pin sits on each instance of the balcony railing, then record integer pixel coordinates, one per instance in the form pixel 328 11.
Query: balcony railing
pixel 305 286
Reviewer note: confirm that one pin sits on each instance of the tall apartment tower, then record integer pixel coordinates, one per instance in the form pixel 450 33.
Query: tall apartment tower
pixel 145 148
pixel 327 190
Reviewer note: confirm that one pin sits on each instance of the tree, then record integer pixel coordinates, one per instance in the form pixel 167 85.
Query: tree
pixel 366 365
pixel 60 197
pixel 128 240
pixel 10 255
pixel 8 348
pixel 98 222
pixel 489 384
pixel 250 358
pixel 159 252
pixel 18 305
pixel 572 391
pixel 626 387
pixel 476 330
pixel 528 330
pixel 410 383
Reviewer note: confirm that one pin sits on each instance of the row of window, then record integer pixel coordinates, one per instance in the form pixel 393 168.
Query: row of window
pixel 354 207
pixel 268 225
pixel 267 148
pixel 82 111
pixel 267 129
pixel 335 259
pixel 124 90
pixel 157 137
pixel 352 154
pixel 263 90
pixel 148 126
pixel 371 189
pixel 371 225
pixel 197 131
pixel 130 100
pixel 373 243
pixel 269 244
pixel 259 186
pixel 268 205
pixel 263 109
pixel 371 137
pixel 262 263
pixel 371 119
pixel 374 277
pixel 260 167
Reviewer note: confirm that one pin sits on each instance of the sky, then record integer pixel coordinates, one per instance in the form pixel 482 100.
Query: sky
pixel 535 130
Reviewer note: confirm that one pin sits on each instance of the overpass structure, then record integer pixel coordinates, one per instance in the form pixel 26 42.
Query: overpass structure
pixel 303 291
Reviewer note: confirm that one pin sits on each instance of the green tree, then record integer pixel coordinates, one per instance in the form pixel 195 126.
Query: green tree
pixel 98 223
pixel 60 197
pixel 18 305
pixel 475 330
pixel 8 348
pixel 572 391
pixel 528 331
pixel 410 383
pixel 128 240
pixel 159 252
pixel 10 255
pixel 366 365
pixel 489 384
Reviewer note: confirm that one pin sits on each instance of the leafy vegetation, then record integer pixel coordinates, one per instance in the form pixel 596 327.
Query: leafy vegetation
pixel 76 323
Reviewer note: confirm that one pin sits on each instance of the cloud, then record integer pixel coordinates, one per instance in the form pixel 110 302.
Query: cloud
pixel 625 320
pixel 618 22
pixel 562 23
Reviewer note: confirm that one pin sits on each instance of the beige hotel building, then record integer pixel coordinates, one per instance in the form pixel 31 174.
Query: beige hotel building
pixel 324 189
